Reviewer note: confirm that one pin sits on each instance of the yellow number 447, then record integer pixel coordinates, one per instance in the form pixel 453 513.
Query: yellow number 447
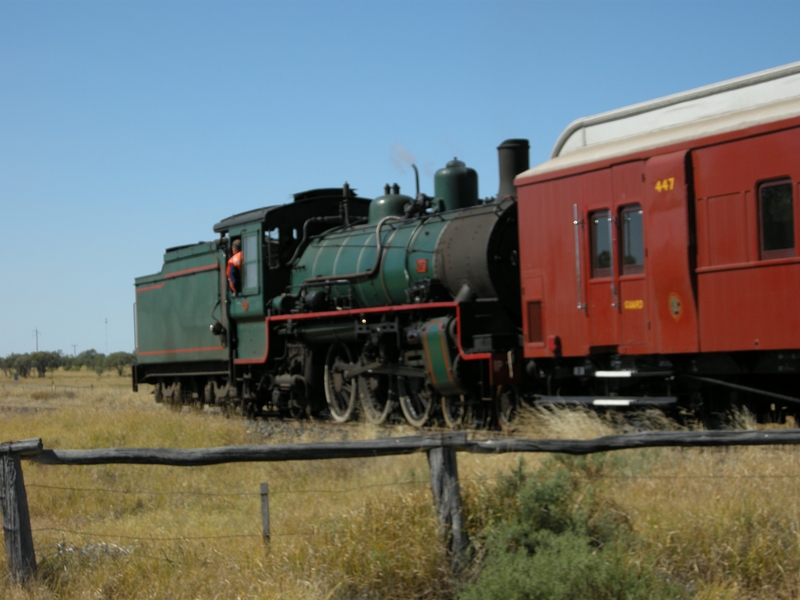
pixel 665 185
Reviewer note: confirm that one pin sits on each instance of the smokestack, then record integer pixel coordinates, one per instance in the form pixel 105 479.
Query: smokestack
pixel 512 156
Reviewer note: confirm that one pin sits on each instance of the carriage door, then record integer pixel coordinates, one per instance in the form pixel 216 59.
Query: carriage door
pixel 617 288
pixel 633 303
pixel 602 293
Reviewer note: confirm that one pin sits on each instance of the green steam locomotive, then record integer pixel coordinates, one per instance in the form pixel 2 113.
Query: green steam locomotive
pixel 391 308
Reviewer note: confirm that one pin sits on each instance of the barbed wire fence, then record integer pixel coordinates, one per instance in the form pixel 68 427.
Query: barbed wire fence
pixel 318 491
pixel 53 388
pixel 441 450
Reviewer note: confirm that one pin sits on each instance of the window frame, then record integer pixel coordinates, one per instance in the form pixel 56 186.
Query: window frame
pixel 788 252
pixel 638 268
pixel 250 264
pixel 596 271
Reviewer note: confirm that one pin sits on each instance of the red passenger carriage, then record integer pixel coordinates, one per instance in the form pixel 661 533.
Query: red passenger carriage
pixel 660 253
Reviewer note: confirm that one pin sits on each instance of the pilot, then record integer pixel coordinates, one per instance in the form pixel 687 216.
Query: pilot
pixel 235 267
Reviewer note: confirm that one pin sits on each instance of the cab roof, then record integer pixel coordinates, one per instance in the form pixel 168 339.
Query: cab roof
pixel 313 203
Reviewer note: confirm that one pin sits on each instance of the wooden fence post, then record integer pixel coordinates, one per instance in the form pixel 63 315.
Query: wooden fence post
pixel 447 498
pixel 16 519
pixel 265 512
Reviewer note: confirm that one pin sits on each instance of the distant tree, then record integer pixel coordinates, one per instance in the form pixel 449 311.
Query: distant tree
pixel 87 358
pixel 120 360
pixel 39 362
pixel 68 363
pixel 44 361
pixel 21 363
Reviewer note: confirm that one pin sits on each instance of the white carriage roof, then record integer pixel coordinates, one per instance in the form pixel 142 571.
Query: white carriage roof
pixel 761 97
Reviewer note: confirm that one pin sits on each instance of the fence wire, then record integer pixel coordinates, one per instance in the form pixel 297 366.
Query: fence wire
pixel 324 531
pixel 278 492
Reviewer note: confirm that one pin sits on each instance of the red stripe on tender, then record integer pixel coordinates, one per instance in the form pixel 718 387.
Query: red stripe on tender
pixel 181 350
pixel 152 287
pixel 178 274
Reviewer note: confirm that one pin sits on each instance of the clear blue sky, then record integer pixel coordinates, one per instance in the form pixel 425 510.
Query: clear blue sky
pixel 128 127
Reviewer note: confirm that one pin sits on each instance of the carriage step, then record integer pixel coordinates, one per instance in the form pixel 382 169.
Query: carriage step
pixel 609 401
pixel 625 373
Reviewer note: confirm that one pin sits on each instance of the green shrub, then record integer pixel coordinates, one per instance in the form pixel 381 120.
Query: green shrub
pixel 564 541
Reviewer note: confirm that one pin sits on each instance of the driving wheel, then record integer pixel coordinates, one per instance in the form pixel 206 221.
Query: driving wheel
pixel 339 392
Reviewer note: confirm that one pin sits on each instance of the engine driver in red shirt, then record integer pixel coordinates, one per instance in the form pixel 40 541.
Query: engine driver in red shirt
pixel 235 267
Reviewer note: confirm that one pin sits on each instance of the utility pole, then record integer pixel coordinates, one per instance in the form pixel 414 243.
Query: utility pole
pixel 36 333
pixel 106 335
pixel 74 350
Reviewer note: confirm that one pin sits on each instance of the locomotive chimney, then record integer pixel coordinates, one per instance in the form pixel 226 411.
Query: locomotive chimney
pixel 512 156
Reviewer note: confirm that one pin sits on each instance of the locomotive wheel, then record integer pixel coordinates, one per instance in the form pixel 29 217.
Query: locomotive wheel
pixel 377 393
pixel 176 398
pixel 249 410
pixel 416 400
pixel 339 392
pixel 229 409
pixel 297 405
pixel 506 405
pixel 455 411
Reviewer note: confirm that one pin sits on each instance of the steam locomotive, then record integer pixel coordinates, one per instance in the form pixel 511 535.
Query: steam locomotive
pixel 652 261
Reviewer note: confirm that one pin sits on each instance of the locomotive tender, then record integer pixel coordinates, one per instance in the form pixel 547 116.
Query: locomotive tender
pixel 652 261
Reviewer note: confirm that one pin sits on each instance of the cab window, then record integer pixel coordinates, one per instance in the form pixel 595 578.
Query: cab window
pixel 250 260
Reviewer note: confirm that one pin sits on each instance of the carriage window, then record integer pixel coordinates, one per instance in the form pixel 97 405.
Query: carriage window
pixel 777 219
pixel 250 258
pixel 632 240
pixel 601 243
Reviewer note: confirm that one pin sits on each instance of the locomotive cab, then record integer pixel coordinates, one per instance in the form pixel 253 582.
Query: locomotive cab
pixel 271 238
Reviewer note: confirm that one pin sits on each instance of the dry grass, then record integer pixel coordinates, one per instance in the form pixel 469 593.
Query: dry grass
pixel 83 377
pixel 353 534
pixel 724 524
pixel 724 521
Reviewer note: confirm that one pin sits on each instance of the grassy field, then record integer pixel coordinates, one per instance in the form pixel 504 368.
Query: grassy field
pixel 712 523
pixel 83 377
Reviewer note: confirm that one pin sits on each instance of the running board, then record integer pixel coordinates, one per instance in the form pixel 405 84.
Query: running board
pixel 626 373
pixel 609 401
